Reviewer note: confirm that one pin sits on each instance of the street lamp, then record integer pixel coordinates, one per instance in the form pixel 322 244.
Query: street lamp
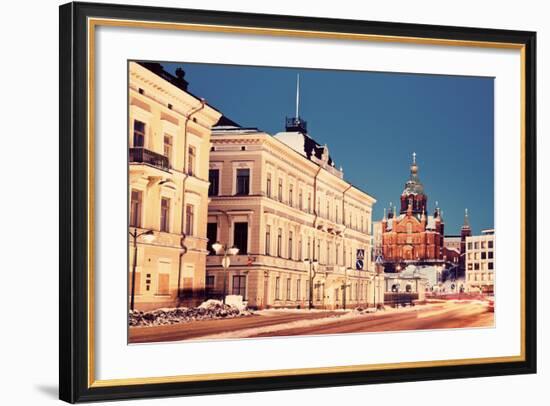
pixel 312 264
pixel 148 237
pixel 226 262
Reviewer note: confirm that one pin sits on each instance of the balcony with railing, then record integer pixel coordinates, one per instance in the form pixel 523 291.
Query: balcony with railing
pixel 145 156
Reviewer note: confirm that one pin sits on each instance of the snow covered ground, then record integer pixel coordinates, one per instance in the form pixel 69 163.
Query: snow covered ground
pixel 211 309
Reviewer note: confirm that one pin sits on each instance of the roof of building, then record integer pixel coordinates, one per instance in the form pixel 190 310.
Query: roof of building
pixel 178 80
pixel 305 145
pixel 430 224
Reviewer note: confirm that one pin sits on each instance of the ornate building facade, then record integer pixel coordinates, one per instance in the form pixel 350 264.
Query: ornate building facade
pixel 302 230
pixel 169 142
pixel 412 236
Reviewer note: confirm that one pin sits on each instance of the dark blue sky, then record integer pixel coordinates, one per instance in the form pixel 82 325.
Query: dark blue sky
pixel 372 122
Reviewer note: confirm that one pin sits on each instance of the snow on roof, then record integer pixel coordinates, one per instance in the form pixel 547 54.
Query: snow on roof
pixel 294 140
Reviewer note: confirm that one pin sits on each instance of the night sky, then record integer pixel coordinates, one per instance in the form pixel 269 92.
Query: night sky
pixel 372 122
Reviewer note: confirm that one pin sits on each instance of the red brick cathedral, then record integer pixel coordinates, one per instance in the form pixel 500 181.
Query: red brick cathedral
pixel 413 235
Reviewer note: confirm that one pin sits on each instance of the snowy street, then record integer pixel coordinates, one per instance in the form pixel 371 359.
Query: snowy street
pixel 268 323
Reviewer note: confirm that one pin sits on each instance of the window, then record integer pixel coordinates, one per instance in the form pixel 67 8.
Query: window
pixel 240 237
pixel 168 147
pixel 278 288
pixel 139 134
pixel 135 208
pixel 337 259
pixel 288 287
pixel 317 255
pixel 279 241
pixel 212 235
pixel 163 284
pixel 163 277
pixel 490 254
pixel 482 244
pixel 483 255
pixel 298 289
pixel 318 206
pixel 189 219
pixel 318 291
pixel 243 181
pixel 300 202
pixel 280 190
pixel 491 266
pixel 328 254
pixel 470 267
pixel 290 242
pixel 490 244
pixel 268 185
pixel 191 157
pixel 309 248
pixel 476 266
pixel 290 195
pixel 210 284
pixel 309 203
pixel 469 245
pixel 214 179
pixel 328 210
pixel 300 256
pixel 239 285
pixel 165 214
pixel 268 240
pixel 362 224
pixel 336 218
pixel 476 245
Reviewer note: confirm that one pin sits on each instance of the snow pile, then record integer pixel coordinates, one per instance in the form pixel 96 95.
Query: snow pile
pixel 211 309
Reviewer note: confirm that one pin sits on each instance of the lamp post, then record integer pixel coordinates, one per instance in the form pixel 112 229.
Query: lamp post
pixel 226 261
pixel 312 264
pixel 135 235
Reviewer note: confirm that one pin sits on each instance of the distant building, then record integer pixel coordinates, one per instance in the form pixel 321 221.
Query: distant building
pixel 282 201
pixel 169 141
pixel 452 242
pixel 480 262
pixel 413 236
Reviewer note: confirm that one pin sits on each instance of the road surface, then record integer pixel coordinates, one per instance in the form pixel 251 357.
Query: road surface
pixel 448 314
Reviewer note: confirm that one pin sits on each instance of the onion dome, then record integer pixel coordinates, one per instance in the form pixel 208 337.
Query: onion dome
pixel 413 185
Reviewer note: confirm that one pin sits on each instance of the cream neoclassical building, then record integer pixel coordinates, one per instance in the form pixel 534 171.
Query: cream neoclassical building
pixel 281 201
pixel 480 262
pixel 169 142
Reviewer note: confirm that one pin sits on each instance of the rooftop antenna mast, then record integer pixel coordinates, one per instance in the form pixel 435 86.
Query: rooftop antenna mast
pixel 297 95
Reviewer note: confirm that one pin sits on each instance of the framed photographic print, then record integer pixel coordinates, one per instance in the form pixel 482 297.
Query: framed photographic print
pixel 297 202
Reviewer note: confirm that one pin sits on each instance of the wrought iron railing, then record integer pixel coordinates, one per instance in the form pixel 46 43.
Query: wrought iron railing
pixel 143 155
